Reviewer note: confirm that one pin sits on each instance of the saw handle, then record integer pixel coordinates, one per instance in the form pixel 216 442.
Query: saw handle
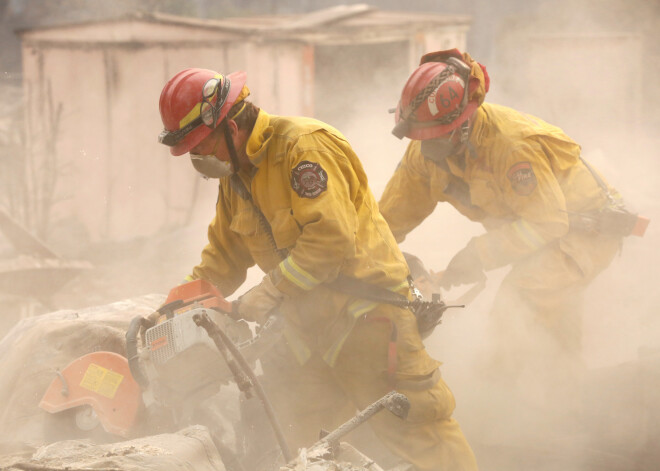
pixel 135 327
pixel 168 309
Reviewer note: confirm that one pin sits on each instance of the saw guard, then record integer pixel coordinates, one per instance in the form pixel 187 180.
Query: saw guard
pixel 103 381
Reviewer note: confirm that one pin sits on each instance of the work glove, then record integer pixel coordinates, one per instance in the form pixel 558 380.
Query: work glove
pixel 464 268
pixel 257 304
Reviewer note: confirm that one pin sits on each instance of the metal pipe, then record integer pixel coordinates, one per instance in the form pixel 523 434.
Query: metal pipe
pixel 393 401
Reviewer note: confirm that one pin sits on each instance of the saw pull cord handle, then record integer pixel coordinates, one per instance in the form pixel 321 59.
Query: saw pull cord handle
pixel 204 321
pixel 137 324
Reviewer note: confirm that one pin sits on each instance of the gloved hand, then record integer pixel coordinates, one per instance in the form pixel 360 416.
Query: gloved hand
pixel 464 268
pixel 258 302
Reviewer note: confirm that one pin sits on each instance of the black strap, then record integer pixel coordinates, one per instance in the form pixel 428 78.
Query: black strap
pixel 599 180
pixel 239 187
pixel 601 184
pixel 364 290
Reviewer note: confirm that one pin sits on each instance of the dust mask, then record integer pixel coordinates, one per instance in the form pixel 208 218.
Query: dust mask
pixel 210 166
pixel 437 150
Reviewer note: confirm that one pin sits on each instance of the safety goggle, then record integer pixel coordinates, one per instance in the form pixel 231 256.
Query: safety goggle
pixel 209 112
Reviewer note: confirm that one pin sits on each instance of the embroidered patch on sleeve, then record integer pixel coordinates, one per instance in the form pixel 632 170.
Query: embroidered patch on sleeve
pixel 308 179
pixel 522 178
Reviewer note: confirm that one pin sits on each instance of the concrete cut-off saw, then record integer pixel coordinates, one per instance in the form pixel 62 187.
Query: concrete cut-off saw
pixel 177 366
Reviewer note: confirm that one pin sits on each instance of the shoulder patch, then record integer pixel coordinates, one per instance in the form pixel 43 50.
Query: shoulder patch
pixel 308 179
pixel 522 178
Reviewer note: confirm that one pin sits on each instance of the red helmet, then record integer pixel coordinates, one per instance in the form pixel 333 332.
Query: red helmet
pixel 193 103
pixel 434 101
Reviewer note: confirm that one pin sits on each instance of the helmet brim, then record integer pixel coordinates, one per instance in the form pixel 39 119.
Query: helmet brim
pixel 191 140
pixel 196 136
pixel 423 131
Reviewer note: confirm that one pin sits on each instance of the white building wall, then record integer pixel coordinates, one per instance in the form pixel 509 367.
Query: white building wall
pixel 115 181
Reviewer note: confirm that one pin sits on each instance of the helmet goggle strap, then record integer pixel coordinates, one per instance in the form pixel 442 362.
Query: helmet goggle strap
pixel 215 88
pixel 408 119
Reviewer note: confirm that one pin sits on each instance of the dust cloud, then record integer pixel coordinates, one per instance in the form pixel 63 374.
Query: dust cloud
pixel 600 411
pixel 595 411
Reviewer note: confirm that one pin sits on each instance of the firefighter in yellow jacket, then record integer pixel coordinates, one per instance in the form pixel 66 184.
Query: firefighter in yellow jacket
pixel 294 200
pixel 522 178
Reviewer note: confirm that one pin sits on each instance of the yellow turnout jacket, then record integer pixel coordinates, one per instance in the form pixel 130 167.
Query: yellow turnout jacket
pixel 313 192
pixel 519 176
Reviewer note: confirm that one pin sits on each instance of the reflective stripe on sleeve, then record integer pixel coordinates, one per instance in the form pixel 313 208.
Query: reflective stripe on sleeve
pixel 400 286
pixel 528 234
pixel 297 275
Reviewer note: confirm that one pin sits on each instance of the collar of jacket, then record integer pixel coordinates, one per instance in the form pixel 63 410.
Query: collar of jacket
pixel 259 137
pixel 478 125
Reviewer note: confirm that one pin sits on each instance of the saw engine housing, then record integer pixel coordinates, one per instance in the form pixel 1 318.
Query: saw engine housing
pixel 180 359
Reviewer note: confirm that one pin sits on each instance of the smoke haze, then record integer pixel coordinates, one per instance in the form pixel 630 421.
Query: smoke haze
pixel 608 419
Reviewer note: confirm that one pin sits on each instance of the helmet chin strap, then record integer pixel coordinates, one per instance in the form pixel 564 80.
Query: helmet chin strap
pixel 233 155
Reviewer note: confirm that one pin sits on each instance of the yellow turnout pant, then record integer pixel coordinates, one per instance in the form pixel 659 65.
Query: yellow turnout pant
pixel 316 396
